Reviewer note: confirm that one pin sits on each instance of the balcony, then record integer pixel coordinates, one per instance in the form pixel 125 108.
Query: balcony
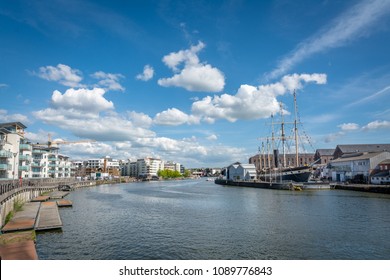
pixel 52 158
pixel 25 147
pixel 24 167
pixel 36 164
pixel 5 166
pixel 5 154
pixel 52 165
pixel 24 157
pixel 52 171
pixel 38 151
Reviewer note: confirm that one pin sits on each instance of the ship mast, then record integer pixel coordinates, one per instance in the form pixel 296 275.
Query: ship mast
pixel 283 136
pixel 296 129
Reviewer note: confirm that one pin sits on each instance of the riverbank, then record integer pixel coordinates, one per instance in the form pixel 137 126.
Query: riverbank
pixel 385 189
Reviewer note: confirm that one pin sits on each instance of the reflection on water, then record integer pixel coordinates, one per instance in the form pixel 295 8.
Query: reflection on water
pixel 196 219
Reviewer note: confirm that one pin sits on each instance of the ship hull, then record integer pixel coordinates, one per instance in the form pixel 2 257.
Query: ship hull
pixel 255 184
pixel 298 175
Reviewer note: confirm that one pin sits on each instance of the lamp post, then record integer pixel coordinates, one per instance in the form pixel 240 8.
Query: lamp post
pixel 15 154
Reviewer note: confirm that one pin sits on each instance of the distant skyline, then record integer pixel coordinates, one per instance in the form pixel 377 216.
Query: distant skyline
pixel 194 81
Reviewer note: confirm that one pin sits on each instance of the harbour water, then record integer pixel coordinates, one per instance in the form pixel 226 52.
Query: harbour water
pixel 196 219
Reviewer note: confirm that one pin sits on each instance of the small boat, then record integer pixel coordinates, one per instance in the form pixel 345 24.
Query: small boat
pixel 64 188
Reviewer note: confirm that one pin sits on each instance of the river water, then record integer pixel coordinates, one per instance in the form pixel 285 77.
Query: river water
pixel 196 219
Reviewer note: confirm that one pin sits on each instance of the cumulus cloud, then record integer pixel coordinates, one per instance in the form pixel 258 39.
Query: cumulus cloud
pixel 173 117
pixel 86 113
pixel 349 26
pixel 109 81
pixel 377 125
pixel 62 74
pixel 5 117
pixel 251 102
pixel 194 75
pixel 140 119
pixel 84 100
pixel 348 126
pixel 212 137
pixel 147 74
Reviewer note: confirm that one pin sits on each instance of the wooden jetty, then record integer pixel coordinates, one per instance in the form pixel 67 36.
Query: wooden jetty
pixel 18 246
pixel 49 217
pixel 40 198
pixel 64 203
pixel 58 194
pixel 24 219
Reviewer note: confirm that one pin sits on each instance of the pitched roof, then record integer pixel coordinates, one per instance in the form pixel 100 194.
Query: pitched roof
pixel 325 152
pixel 370 148
pixel 357 157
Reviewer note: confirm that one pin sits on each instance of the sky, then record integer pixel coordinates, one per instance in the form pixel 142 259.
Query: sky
pixel 195 82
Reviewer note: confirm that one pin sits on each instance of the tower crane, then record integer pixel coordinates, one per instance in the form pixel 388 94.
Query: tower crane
pixel 51 142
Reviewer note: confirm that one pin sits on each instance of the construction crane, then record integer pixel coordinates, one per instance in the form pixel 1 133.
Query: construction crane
pixel 50 142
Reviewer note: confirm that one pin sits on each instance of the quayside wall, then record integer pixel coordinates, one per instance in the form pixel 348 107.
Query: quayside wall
pixel 21 191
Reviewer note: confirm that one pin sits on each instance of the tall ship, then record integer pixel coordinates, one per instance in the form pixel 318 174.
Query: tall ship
pixel 276 166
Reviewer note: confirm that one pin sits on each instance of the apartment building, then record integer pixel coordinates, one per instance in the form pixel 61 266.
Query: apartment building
pixel 21 159
pixel 14 152
pixel 105 165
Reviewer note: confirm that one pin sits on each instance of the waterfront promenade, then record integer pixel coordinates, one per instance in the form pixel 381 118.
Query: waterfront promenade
pixel 37 212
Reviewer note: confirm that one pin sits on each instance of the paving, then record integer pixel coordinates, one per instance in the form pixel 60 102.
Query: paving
pixel 18 246
pixel 24 219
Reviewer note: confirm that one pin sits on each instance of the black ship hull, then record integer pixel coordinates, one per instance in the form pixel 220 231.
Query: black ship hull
pixel 256 184
pixel 296 174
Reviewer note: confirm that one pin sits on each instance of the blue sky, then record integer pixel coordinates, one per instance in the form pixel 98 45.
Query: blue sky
pixel 194 81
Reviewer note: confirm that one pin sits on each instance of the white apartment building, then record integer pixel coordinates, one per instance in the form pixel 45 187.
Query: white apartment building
pixel 148 167
pixel 174 166
pixel 48 163
pixel 106 165
pixel 21 159
pixel 14 152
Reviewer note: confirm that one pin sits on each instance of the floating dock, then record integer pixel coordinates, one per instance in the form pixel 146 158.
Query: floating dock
pixel 40 198
pixel 24 219
pixel 58 194
pixel 49 217
pixel 64 203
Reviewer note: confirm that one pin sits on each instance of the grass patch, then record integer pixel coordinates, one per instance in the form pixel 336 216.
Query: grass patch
pixel 18 206
pixel 16 237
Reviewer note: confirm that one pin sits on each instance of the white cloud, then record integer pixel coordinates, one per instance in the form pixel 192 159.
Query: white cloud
pixel 140 119
pixel 377 125
pixel 40 137
pixel 370 97
pixel 62 74
pixel 212 137
pixel 83 100
pixel 86 113
pixel 251 102
pixel 349 26
pixel 3 85
pixel 348 126
pixel 147 74
pixel 109 81
pixel 173 117
pixel 194 76
pixel 5 117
